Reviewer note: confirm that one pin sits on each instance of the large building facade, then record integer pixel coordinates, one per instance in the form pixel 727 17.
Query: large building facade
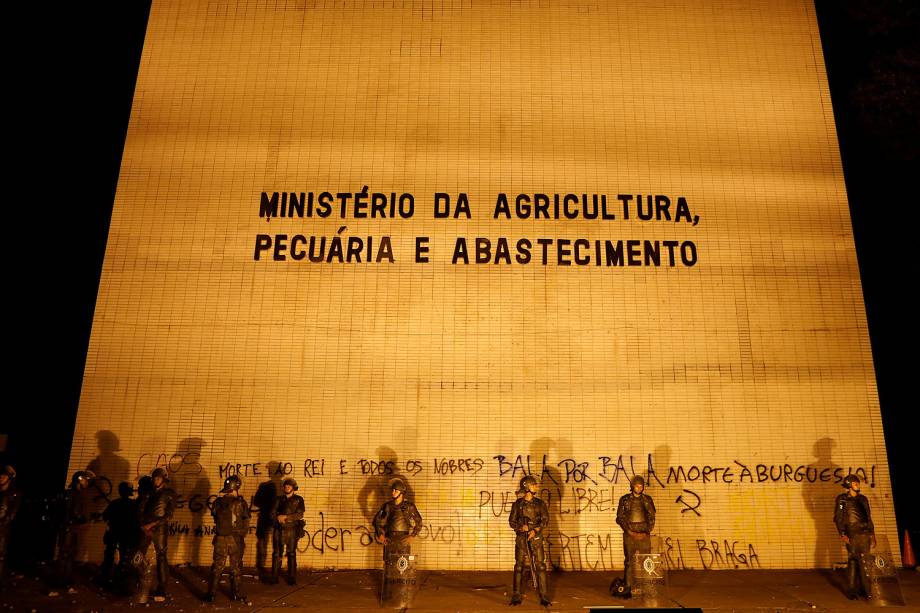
pixel 464 241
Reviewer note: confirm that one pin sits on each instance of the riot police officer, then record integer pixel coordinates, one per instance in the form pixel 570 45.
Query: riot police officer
pixel 158 509
pixel 854 524
pixel 398 520
pixel 395 525
pixel 76 516
pixel 529 517
pixel 636 516
pixel 288 521
pixel 9 506
pixel 231 524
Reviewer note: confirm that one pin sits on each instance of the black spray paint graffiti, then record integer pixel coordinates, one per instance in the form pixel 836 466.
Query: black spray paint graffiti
pixel 565 551
pixel 316 467
pixel 597 551
pixel 189 463
pixel 691 503
pixel 102 491
pixel 713 554
pixel 611 470
pixel 571 485
pixel 767 473
pixel 450 466
pixel 606 469
pixel 573 500
pixel 575 471
pixel 557 478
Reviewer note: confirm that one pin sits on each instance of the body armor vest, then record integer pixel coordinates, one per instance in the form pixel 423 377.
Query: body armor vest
pixel 856 514
pixel 293 508
pixel 398 522
pixel 398 518
pixel 159 505
pixel 231 516
pixel 636 512
pixel 852 514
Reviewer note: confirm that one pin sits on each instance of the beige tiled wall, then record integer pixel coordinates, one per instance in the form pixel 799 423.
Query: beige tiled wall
pixel 202 356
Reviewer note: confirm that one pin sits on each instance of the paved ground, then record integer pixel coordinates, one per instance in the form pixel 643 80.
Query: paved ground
pixel 743 590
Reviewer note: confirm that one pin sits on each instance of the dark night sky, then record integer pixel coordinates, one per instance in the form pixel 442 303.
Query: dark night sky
pixel 72 100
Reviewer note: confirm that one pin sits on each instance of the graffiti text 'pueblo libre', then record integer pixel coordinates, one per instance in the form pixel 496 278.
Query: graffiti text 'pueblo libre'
pixel 346 247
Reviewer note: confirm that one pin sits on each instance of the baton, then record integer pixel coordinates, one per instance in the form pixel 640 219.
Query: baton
pixel 533 568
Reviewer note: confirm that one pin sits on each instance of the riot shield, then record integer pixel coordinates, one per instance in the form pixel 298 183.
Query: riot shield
pixel 142 566
pixel 650 580
pixel 880 578
pixel 400 580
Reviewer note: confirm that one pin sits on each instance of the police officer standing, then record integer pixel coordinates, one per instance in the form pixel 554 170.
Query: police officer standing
pixel 395 525
pixel 157 511
pixel 122 529
pixel 854 524
pixel 76 516
pixel 529 516
pixel 636 516
pixel 231 524
pixel 288 516
pixel 9 506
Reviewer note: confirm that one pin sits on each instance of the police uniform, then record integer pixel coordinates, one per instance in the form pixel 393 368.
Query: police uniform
pixel 158 509
pixel 635 514
pixel 74 522
pixel 534 514
pixel 397 522
pixel 231 524
pixel 853 520
pixel 287 533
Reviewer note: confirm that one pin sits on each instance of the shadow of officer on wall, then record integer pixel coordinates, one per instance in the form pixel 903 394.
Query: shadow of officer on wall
pixel 818 497
pixel 110 470
pixel 189 479
pixel 562 521
pixel 108 463
pixel 263 502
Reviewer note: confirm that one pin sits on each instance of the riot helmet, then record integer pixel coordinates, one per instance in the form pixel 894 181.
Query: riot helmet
pixel 528 484
pixel 399 485
pixel 636 480
pixel 81 478
pixel 232 483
